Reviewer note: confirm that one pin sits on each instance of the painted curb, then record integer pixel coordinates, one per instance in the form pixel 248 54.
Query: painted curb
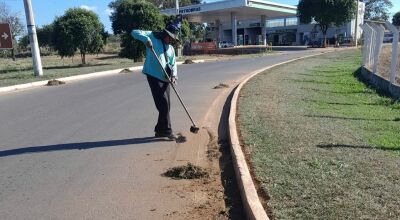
pixel 251 202
pixel 75 78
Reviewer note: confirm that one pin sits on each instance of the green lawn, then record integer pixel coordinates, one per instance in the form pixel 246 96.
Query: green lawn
pixel 323 145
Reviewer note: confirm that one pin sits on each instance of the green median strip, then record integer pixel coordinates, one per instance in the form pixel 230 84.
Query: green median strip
pixel 322 144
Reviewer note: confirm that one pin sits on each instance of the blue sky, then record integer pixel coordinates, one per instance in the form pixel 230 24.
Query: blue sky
pixel 46 10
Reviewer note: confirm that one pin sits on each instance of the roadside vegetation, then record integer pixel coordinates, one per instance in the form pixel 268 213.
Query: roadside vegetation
pixel 325 13
pixel 322 144
pixel 76 42
pixel 20 71
pixel 89 48
pixel 385 60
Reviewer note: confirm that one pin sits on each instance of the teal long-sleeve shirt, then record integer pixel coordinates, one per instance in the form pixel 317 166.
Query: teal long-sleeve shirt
pixel 151 66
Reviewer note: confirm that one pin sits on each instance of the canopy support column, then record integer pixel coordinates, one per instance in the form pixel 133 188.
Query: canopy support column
pixel 234 28
pixel 264 29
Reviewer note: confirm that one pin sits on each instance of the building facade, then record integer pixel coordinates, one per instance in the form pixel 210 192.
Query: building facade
pixel 258 22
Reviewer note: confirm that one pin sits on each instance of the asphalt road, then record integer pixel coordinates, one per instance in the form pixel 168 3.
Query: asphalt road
pixel 84 150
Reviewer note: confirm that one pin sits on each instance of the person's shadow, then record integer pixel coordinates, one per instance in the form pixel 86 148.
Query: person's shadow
pixel 78 146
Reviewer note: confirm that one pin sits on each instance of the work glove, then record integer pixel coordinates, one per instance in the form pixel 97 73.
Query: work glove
pixel 149 44
pixel 173 80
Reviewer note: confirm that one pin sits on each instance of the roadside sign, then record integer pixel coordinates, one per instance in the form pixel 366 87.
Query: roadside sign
pixel 5 36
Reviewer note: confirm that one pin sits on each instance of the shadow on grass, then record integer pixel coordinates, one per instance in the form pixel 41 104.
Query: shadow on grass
pixel 78 146
pixel 349 104
pixel 339 92
pixel 366 147
pixel 75 66
pixel 5 71
pixel 325 76
pixel 318 82
pixel 53 67
pixel 348 118
pixel 329 103
pixel 108 57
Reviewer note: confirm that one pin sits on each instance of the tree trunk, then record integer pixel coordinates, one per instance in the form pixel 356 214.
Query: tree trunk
pixel 138 59
pixel 83 58
pixel 324 30
pixel 13 54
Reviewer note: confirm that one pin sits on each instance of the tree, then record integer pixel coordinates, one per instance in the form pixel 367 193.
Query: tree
pixel 396 19
pixel 377 10
pixel 198 31
pixel 45 35
pixel 326 13
pixel 17 27
pixel 134 14
pixel 186 32
pixel 23 42
pixel 78 29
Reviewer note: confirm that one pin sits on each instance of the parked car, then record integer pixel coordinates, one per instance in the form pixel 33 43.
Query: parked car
pixel 224 44
pixel 388 38
pixel 316 43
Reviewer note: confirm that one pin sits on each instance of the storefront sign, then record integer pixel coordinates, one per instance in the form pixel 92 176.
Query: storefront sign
pixel 189 10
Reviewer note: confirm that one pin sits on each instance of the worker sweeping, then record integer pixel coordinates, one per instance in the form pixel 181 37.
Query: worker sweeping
pixel 161 71
pixel 159 84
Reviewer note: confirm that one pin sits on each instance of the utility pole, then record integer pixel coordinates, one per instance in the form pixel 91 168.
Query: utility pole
pixel 356 27
pixel 30 22
pixel 180 34
pixel 177 7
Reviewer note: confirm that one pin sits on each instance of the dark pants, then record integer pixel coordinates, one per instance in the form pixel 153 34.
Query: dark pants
pixel 160 91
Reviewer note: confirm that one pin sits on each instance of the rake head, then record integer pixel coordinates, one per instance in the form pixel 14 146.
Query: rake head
pixel 194 129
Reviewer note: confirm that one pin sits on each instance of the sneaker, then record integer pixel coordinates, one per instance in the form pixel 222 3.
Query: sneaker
pixel 170 137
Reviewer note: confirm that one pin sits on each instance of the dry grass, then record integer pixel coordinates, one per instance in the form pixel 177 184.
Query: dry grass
pixel 188 171
pixel 20 71
pixel 385 62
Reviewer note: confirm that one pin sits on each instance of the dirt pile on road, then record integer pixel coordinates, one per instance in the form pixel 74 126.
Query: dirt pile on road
pixel 125 71
pixel 188 61
pixel 188 171
pixel 221 86
pixel 55 82
pixel 180 138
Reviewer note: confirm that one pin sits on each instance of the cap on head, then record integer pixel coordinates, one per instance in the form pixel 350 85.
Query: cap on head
pixel 173 29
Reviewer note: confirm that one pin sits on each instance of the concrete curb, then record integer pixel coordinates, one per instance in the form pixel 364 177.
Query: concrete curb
pixel 380 83
pixel 251 202
pixel 75 78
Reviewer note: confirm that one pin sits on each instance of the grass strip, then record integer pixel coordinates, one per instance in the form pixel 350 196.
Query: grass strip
pixel 20 71
pixel 322 144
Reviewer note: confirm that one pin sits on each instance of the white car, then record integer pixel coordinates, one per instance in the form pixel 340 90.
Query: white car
pixel 224 44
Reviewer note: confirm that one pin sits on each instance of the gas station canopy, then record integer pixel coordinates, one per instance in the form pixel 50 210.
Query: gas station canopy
pixel 242 9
